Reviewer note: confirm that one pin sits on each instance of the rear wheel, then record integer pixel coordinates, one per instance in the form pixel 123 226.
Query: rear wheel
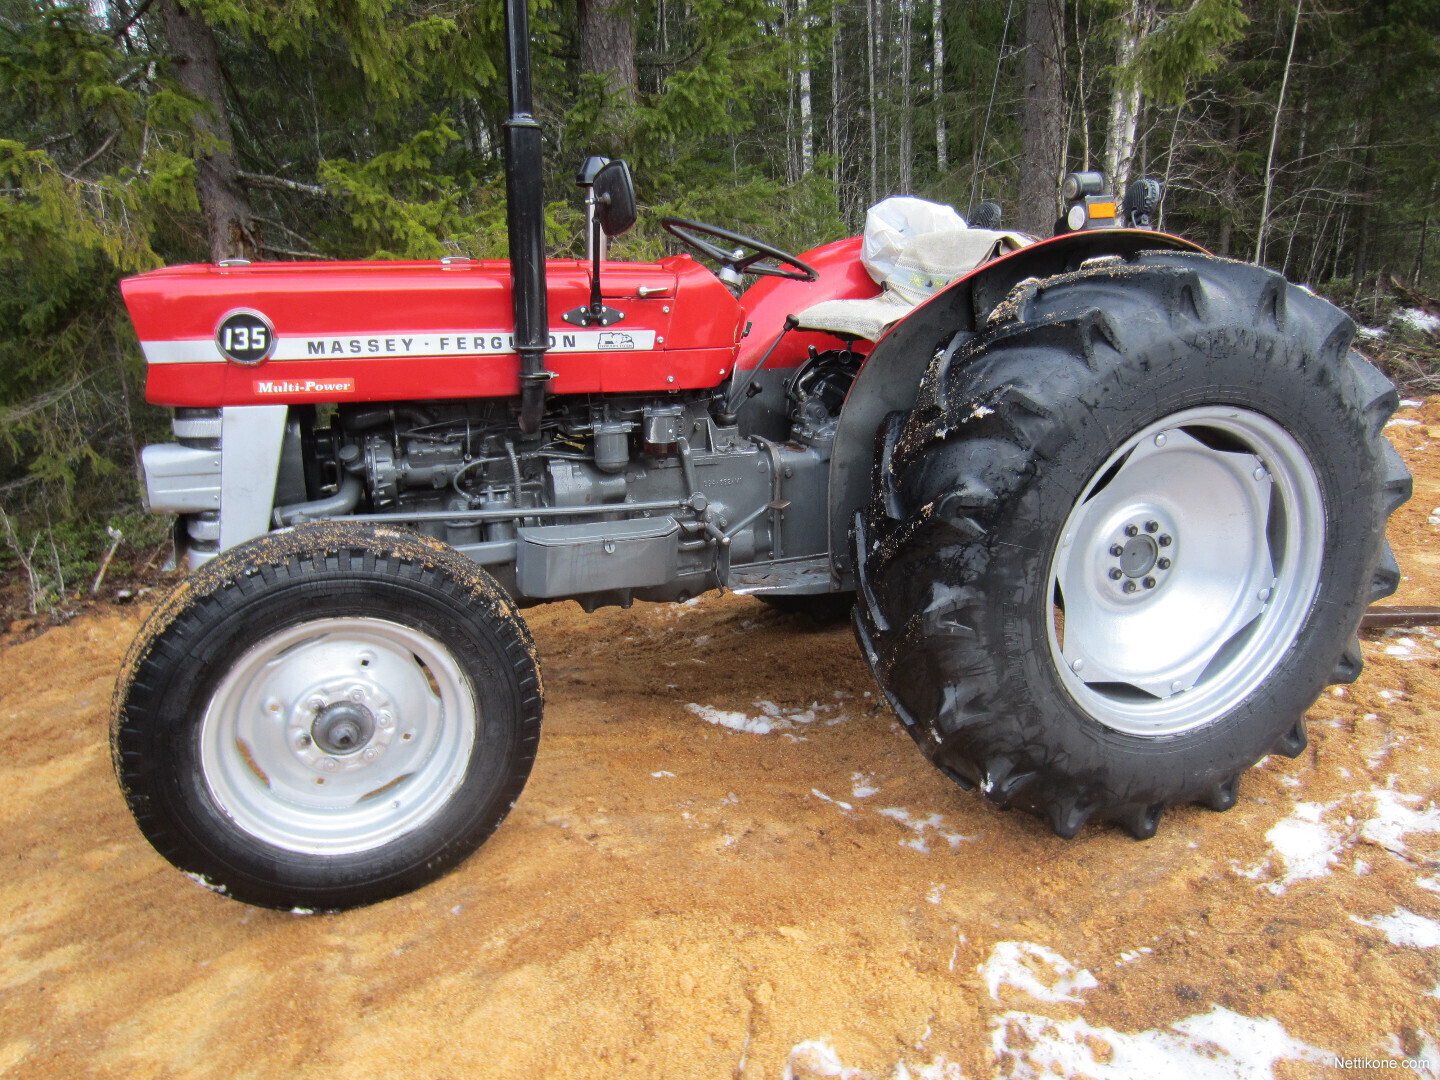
pixel 1126 536
pixel 327 717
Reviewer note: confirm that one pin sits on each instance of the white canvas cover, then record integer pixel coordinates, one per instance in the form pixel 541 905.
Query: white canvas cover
pixel 912 248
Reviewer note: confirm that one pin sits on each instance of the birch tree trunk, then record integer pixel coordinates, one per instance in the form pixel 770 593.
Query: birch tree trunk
pixel 807 122
pixel 1125 96
pixel 229 221
pixel 835 95
pixel 907 126
pixel 937 33
pixel 874 121
pixel 1042 116
pixel 1274 137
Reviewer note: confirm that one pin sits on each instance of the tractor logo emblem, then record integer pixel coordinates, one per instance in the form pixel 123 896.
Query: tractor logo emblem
pixel 245 336
pixel 613 339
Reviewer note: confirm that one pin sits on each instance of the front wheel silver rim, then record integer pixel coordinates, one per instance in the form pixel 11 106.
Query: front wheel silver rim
pixel 338 736
pixel 1185 570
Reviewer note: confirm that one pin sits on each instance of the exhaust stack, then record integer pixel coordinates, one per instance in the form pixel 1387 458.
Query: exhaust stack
pixel 524 194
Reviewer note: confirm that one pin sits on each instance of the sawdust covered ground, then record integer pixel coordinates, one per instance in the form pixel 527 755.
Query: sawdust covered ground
pixel 673 897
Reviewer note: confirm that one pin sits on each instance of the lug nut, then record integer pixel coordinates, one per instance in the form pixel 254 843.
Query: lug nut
pixel 1129 586
pixel 303 742
pixel 1131 530
pixel 357 694
pixel 317 703
pixel 1163 564
pixel 1149 583
pixel 370 754
pixel 1116 573
pixel 1165 540
pixel 1152 526
pixel 1116 550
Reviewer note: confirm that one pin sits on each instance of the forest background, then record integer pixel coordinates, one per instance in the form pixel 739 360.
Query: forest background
pixel 133 133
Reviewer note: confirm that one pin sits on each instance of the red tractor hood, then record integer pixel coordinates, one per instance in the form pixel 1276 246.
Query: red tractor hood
pixel 388 331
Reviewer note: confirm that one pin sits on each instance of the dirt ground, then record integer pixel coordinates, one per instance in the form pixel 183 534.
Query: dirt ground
pixel 731 862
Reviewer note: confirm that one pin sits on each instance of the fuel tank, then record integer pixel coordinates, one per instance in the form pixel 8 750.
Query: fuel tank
pixel 289 333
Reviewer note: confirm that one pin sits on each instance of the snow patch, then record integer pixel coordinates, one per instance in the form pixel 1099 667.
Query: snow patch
pixel 1307 847
pixel 662 772
pixel 1040 972
pixel 864 786
pixel 1410 403
pixel 1416 319
pixel 735 721
pixel 206 883
pixel 772 717
pixel 1402 422
pixel 1369 333
pixel 815 1059
pixel 821 795
pixel 1133 955
pixel 1404 927
pixel 919 825
pixel 1393 820
pixel 1218 1045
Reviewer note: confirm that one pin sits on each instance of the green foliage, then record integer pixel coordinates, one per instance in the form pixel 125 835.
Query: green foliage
pixel 1186 46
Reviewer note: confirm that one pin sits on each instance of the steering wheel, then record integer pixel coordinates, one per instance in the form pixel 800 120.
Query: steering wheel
pixel 735 260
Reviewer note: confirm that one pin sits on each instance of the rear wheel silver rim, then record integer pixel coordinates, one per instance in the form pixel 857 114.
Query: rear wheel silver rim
pixel 338 736
pixel 1186 570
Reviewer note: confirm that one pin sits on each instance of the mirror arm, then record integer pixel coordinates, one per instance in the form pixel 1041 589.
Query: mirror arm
pixel 594 313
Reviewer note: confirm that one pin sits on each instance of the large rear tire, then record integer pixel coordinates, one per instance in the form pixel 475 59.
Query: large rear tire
pixel 327 716
pixel 1126 536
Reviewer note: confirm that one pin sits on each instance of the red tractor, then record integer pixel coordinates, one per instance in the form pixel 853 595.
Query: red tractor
pixel 1109 509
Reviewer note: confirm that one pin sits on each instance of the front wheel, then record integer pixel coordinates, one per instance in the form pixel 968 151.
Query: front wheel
pixel 327 717
pixel 1126 537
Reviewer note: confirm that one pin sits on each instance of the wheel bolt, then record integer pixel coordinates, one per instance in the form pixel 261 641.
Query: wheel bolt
pixel 303 742
pixel 385 719
pixel 357 695
pixel 1116 573
pixel 1129 586
pixel 1163 564
pixel 1165 540
pixel 329 764
pixel 371 754
pixel 1131 530
pixel 317 703
pixel 1149 583
pixel 1116 550
pixel 1152 526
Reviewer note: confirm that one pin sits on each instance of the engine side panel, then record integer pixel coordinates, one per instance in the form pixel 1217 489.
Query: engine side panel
pixel 390 331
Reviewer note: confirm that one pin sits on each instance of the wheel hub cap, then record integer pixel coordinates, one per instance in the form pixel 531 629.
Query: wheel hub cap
pixel 1138 557
pixel 343 728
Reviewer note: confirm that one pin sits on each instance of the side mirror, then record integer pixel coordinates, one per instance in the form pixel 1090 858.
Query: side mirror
pixel 614 198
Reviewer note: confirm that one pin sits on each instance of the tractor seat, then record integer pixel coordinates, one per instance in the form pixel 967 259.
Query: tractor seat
pixel 927 263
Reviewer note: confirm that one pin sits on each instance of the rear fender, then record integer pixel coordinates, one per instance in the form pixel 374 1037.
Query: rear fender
pixel 890 379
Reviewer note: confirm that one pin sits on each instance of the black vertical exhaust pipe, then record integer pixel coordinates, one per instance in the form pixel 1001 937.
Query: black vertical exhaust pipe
pixel 524 193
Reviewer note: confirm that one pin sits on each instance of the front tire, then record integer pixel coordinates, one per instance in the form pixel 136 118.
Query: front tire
pixel 1126 536
pixel 327 717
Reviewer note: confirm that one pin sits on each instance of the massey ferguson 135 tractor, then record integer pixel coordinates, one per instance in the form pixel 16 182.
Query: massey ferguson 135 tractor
pixel 1110 510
